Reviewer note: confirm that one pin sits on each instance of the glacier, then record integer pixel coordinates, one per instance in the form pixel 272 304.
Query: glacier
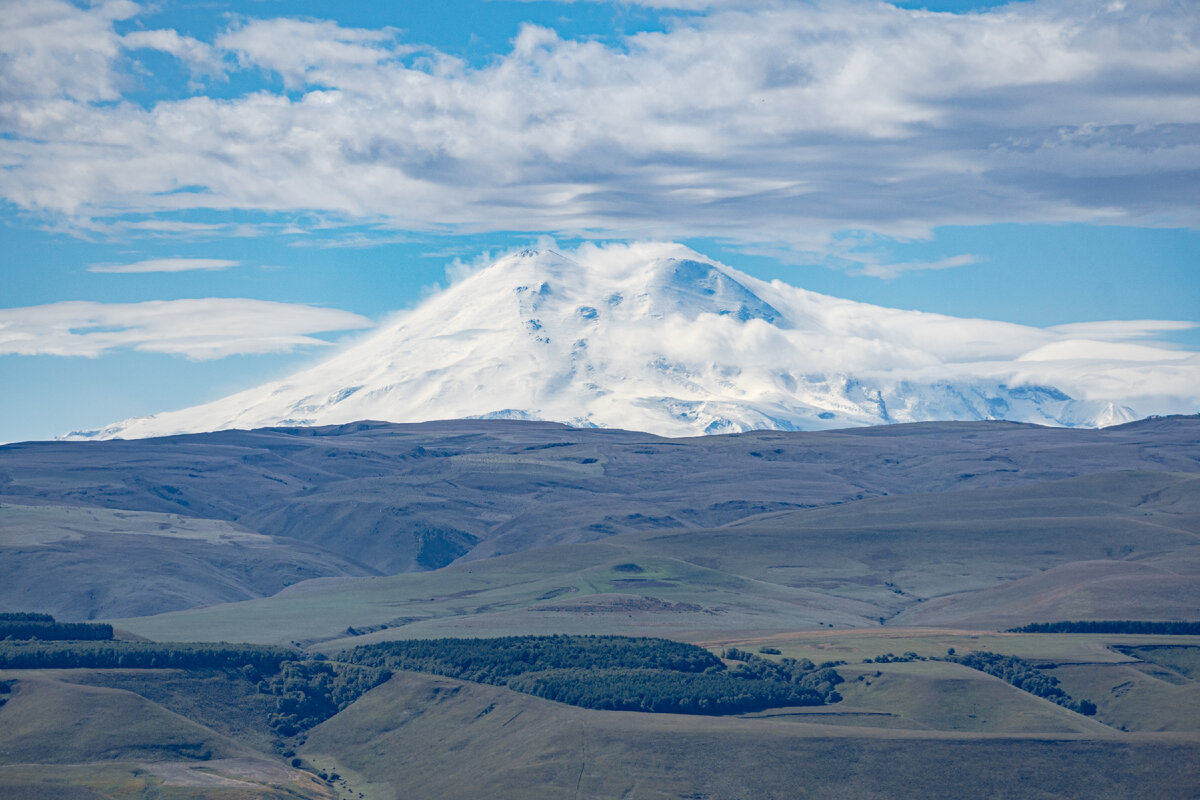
pixel 659 338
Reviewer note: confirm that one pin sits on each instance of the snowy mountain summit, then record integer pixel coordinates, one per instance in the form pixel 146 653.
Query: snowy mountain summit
pixel 656 337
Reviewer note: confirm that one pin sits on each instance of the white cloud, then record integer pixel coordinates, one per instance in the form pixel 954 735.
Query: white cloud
pixel 773 123
pixel 166 265
pixel 1105 352
pixel 894 270
pixel 200 57
pixel 1119 330
pixel 199 329
pixel 312 52
pixel 52 49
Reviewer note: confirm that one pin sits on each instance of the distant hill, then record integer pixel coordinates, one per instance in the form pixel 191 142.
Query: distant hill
pixel 129 528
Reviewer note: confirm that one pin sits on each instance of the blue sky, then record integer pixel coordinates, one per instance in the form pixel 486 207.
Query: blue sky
pixel 298 170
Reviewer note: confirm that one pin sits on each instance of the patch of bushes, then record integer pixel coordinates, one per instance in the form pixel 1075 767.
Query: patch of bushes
pixel 892 658
pixel 310 692
pixel 1025 676
pixel 796 671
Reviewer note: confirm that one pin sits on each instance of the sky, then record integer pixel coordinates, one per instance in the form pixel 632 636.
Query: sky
pixel 197 196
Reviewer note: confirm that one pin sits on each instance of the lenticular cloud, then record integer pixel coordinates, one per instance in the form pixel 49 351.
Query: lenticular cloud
pixel 657 337
pixel 200 329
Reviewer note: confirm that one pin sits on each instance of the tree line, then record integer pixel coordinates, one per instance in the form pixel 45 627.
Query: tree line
pixel 494 660
pixel 614 672
pixel 141 655
pixel 662 691
pixel 602 672
pixel 1166 627
pixel 306 692
pixel 1025 676
pixel 27 625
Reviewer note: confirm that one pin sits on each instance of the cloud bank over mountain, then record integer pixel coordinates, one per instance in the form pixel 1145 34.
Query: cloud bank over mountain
pixel 755 122
pixel 657 337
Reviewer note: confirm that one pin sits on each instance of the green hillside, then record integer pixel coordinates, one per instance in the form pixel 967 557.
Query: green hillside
pixel 466 740
pixel 209 732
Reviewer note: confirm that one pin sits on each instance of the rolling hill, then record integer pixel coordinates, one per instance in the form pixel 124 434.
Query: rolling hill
pixel 234 515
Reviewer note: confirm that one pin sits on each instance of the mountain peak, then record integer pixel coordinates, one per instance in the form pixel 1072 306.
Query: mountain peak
pixel 659 338
pixel 694 287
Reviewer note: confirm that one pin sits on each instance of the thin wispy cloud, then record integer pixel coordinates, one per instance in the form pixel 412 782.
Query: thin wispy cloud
pixel 1120 330
pixel 166 265
pixel 777 123
pixel 200 329
pixel 886 270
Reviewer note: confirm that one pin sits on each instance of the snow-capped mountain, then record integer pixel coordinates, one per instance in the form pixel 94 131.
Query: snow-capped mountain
pixel 658 338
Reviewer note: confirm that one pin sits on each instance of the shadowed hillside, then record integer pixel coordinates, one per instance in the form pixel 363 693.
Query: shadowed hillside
pixel 1112 545
pixel 373 498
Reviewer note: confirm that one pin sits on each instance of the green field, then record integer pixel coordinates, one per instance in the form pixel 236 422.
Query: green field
pixel 473 741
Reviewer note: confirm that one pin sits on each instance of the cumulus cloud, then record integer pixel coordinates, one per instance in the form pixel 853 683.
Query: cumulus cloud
pixel 53 49
pixel 761 122
pixel 198 329
pixel 166 265
pixel 310 52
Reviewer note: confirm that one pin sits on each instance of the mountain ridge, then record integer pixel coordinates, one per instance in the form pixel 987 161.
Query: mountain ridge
pixel 662 339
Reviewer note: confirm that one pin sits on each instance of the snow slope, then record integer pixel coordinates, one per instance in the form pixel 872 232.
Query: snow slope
pixel 656 337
